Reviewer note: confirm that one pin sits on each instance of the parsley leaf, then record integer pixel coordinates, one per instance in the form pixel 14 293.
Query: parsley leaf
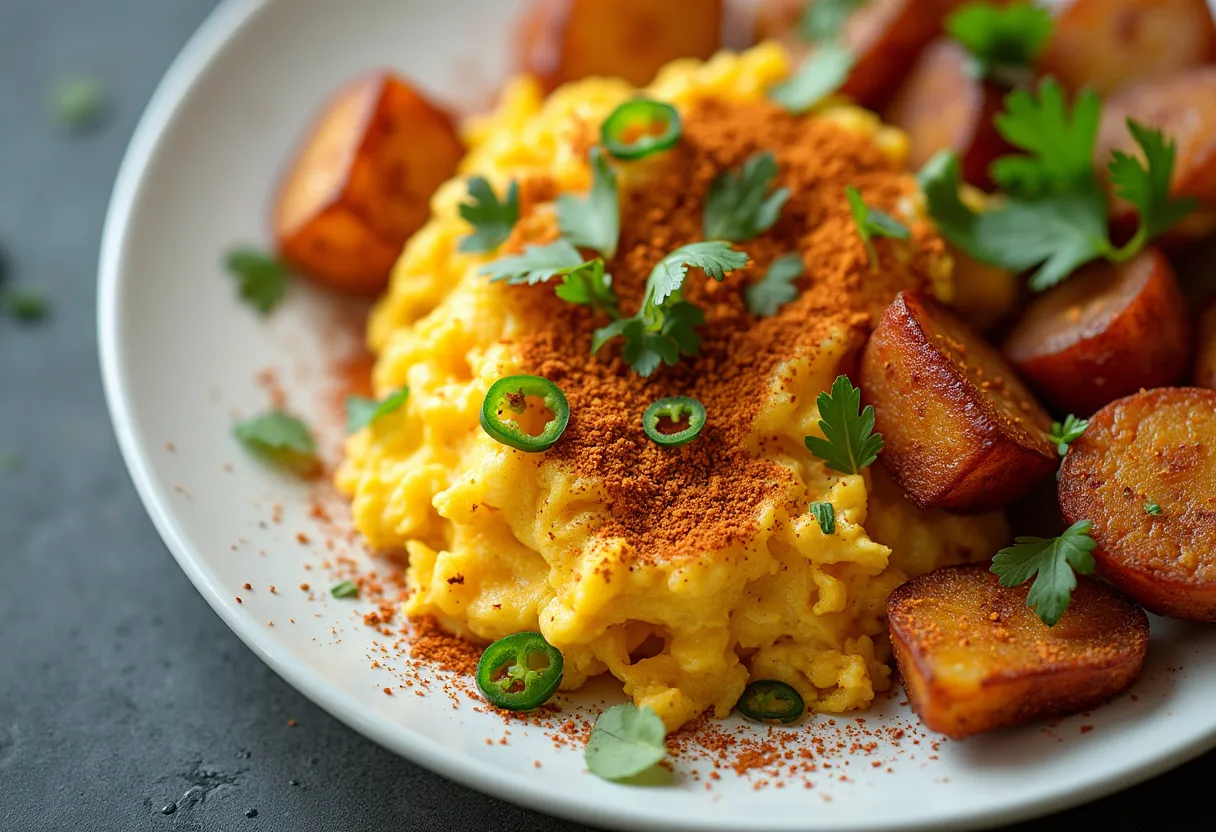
pixel 593 221
pixel 1052 562
pixel 1060 141
pixel 491 219
pixel 824 19
pixel 536 265
pixel 1001 39
pixel 715 258
pixel 25 305
pixel 739 205
pixel 820 75
pixel 361 411
pixel 625 742
pixel 825 513
pixel 849 442
pixel 345 589
pixel 261 278
pixel 1148 188
pixel 776 288
pixel 279 438
pixel 589 285
pixel 873 223
pixel 1065 434
pixel 1152 509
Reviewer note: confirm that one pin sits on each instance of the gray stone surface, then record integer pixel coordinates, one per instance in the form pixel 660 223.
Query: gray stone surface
pixel 120 691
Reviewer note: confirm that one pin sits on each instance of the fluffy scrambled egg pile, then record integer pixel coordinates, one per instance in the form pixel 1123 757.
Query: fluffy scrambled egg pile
pixel 501 541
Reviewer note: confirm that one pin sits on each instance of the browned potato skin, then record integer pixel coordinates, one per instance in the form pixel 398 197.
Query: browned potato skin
pixel 1155 446
pixel 1183 106
pixel 362 183
pixel 564 40
pixel 1107 44
pixel 961 618
pixel 1104 333
pixel 961 432
pixel 886 35
pixel 1205 361
pixel 941 106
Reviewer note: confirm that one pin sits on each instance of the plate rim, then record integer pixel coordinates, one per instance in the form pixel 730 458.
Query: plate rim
pixel 188 67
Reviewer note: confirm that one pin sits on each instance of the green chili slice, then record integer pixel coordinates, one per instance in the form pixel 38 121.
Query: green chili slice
pixel 769 700
pixel 641 127
pixel 677 409
pixel 509 395
pixel 520 672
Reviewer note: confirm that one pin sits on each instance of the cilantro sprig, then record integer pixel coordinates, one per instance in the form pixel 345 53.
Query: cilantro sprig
pixel 1054 216
pixel 593 221
pixel 1065 433
pixel 1003 40
pixel 625 742
pixel 872 223
pixel 492 219
pixel 261 278
pixel 740 205
pixel 664 328
pixel 849 442
pixel 362 411
pixel 820 75
pixel 825 513
pixel 776 288
pixel 824 20
pixel 281 439
pixel 1053 562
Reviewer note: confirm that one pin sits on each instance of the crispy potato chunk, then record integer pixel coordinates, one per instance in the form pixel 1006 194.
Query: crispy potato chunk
pixel 1155 450
pixel 961 431
pixel 886 35
pixel 973 657
pixel 362 183
pixel 1108 44
pixel 1183 106
pixel 943 106
pixel 1104 333
pixel 564 40
pixel 1205 361
pixel 984 295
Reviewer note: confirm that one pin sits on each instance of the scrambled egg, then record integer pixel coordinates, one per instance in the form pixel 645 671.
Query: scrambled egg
pixel 500 542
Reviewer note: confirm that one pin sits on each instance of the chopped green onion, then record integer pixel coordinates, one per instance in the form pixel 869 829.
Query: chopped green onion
pixel 346 589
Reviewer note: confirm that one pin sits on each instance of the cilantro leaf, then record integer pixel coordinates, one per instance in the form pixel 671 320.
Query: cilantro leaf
pixel 491 219
pixel 776 288
pixel 825 513
pixel 536 265
pixel 824 19
pixel 873 223
pixel 625 742
pixel 820 75
pixel 261 278
pixel 361 411
pixel 715 258
pixel 593 221
pixel 1001 39
pixel 739 205
pixel 280 439
pixel 1152 509
pixel 1052 562
pixel 345 589
pixel 1066 433
pixel 940 180
pixel 1148 186
pixel 589 285
pixel 849 442
pixel 26 305
pixel 1060 141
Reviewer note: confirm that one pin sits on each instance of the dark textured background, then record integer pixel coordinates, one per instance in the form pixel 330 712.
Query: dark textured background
pixel 120 691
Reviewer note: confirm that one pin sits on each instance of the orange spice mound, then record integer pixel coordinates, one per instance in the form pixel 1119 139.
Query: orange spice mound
pixel 704 495
pixel 440 649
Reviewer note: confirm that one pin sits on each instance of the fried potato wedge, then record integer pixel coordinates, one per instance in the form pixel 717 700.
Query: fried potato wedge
pixel 564 40
pixel 362 182
pixel 943 106
pixel 973 657
pixel 1183 107
pixel 961 431
pixel 886 35
pixel 1104 333
pixel 1205 360
pixel 1144 473
pixel 1108 44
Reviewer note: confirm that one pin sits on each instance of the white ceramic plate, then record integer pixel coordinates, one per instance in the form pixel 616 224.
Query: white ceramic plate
pixel 179 356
